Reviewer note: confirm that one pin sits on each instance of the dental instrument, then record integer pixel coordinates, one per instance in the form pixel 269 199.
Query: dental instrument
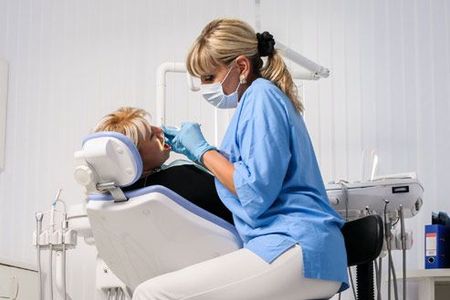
pixel 52 226
pixel 61 275
pixel 56 237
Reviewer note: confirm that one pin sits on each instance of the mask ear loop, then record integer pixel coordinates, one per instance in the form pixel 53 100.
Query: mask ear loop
pixel 242 80
pixel 228 73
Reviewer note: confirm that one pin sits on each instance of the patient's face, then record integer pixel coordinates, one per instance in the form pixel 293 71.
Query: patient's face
pixel 154 151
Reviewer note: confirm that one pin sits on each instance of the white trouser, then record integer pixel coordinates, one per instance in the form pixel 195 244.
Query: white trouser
pixel 239 275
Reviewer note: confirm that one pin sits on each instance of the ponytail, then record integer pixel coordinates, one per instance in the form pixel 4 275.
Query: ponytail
pixel 276 71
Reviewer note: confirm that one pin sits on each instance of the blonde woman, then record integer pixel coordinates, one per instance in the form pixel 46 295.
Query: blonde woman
pixel 182 177
pixel 266 174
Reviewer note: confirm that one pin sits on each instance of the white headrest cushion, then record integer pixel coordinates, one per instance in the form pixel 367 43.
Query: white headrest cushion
pixel 108 157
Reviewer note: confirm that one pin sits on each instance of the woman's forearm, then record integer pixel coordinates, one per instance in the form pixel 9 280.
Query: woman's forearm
pixel 221 168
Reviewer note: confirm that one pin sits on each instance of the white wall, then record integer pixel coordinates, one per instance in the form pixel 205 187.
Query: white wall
pixel 73 61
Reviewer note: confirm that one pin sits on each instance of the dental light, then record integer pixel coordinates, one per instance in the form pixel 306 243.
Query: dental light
pixel 316 71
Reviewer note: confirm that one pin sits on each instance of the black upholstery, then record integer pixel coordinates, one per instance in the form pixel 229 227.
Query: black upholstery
pixel 363 239
pixel 191 183
pixel 363 242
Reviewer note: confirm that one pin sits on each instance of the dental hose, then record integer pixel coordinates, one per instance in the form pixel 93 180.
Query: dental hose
pixel 380 272
pixel 63 251
pixel 391 268
pixel 403 239
pixel 64 227
pixel 387 231
pixel 52 226
pixel 377 276
pixel 64 271
pixel 394 277
pixel 39 217
pixel 50 271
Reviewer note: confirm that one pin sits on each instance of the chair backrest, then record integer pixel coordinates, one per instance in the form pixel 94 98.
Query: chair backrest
pixel 363 239
pixel 155 232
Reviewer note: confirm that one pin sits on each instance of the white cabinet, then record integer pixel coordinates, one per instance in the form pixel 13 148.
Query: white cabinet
pixel 433 284
pixel 18 281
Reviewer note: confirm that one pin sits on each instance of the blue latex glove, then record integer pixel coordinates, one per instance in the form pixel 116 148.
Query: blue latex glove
pixel 187 140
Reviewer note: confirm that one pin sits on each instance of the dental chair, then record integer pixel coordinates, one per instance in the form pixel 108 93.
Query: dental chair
pixel 147 232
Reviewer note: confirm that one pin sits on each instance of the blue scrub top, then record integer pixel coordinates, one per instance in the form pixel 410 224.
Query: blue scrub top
pixel 281 199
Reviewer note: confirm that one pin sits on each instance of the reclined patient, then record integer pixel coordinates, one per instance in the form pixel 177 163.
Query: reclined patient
pixel 183 177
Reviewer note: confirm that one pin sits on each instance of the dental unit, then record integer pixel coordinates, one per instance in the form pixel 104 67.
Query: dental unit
pixel 394 197
pixel 56 238
pixel 147 232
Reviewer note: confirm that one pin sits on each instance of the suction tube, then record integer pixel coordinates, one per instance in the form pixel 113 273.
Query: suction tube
pixel 403 239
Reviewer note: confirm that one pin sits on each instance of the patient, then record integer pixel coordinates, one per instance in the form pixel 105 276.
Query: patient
pixel 183 177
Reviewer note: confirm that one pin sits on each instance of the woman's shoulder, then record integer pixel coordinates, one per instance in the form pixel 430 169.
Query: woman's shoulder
pixel 264 94
pixel 263 84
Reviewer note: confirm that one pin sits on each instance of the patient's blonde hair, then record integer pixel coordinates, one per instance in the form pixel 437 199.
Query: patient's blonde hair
pixel 223 40
pixel 130 121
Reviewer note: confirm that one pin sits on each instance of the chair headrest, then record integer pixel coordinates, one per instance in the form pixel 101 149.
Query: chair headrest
pixel 107 157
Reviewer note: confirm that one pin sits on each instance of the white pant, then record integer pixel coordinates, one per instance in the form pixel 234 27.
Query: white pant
pixel 239 275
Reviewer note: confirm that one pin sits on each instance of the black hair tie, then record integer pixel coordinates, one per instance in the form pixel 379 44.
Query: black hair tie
pixel 266 44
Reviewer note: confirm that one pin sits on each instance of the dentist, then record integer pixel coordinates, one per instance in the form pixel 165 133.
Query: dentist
pixel 266 175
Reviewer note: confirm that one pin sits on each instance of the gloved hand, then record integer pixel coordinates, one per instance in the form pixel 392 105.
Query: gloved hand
pixel 187 140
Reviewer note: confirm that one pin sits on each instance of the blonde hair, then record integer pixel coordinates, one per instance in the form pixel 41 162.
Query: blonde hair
pixel 130 121
pixel 223 40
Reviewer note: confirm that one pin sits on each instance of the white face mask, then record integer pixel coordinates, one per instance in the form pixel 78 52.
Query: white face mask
pixel 213 93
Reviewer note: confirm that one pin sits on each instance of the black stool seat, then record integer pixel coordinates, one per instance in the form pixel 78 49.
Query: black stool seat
pixel 363 243
pixel 363 239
